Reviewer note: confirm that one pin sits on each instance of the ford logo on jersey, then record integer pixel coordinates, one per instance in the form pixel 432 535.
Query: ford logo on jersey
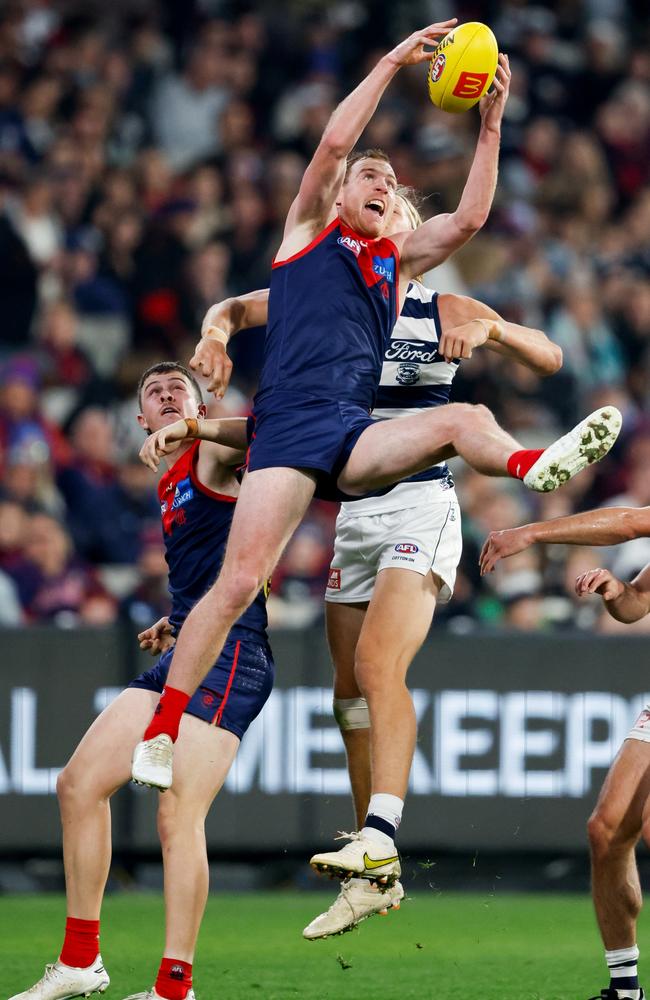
pixel 407 547
pixel 384 267
pixel 412 350
pixel 408 374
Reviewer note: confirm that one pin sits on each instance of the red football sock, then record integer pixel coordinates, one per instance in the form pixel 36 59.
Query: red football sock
pixel 520 462
pixel 81 943
pixel 168 714
pixel 174 979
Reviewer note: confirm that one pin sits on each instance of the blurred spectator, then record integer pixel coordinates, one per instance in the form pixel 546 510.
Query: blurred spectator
pixel 59 583
pixel 24 430
pixel 185 108
pixel 150 599
pixel 105 513
pixel 11 612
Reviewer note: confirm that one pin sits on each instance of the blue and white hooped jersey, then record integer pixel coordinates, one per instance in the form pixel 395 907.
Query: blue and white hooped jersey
pixel 413 377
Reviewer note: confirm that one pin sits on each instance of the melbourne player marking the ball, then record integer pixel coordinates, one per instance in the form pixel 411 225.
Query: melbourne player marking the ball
pixel 336 289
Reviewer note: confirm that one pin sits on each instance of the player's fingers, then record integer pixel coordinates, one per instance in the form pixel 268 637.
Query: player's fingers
pixel 440 28
pixel 145 457
pixel 597 580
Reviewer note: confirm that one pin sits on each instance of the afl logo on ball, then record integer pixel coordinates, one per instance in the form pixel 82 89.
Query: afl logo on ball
pixel 406 547
pixel 408 374
pixel 437 67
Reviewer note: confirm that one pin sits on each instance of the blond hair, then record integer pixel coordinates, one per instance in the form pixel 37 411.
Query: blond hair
pixel 410 199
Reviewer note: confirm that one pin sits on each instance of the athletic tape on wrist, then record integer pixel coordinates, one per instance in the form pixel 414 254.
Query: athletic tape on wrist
pixel 351 713
pixel 216 333
pixel 192 427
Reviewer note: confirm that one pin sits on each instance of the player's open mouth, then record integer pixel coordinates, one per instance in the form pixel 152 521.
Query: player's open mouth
pixel 170 409
pixel 376 206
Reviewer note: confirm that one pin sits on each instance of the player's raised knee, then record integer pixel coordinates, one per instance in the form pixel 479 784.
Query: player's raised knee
pixel 462 415
pixel 237 589
pixel 67 787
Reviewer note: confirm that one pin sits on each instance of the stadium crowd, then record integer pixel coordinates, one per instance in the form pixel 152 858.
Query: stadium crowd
pixel 149 152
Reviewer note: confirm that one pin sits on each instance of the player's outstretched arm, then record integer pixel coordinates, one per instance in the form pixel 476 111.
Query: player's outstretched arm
pixel 626 602
pixel 437 239
pixel 315 202
pixel 468 323
pixel 221 322
pixel 229 433
pixel 607 526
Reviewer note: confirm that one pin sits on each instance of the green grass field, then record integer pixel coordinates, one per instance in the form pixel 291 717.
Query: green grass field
pixel 447 947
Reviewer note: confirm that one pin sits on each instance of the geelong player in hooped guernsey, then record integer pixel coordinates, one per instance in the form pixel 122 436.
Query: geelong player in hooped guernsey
pixel 197 501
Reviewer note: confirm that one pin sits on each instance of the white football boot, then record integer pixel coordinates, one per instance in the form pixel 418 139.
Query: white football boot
pixel 152 762
pixel 62 982
pixel 362 857
pixel 588 442
pixel 152 995
pixel 357 900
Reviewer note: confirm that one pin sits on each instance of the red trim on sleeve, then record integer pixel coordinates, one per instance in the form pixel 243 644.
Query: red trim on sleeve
pixel 219 713
pixel 201 486
pixel 310 246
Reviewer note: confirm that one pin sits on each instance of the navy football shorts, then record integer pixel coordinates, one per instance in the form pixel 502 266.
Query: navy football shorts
pixel 232 694
pixel 297 431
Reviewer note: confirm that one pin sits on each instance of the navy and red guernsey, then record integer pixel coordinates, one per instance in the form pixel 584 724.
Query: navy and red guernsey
pixel 332 307
pixel 196 523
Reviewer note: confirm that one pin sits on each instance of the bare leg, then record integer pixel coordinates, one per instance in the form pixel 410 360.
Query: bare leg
pixel 384 654
pixel 394 449
pixel 344 623
pixel 270 507
pixel 201 762
pixel 99 766
pixel 614 829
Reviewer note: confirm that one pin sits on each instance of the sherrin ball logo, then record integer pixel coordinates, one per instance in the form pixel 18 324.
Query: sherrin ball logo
pixel 437 66
pixel 463 67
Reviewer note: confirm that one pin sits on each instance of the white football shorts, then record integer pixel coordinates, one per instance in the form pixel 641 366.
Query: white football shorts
pixel 424 539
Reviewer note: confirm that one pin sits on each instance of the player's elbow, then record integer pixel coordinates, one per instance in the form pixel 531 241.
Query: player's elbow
pixel 469 221
pixel 334 144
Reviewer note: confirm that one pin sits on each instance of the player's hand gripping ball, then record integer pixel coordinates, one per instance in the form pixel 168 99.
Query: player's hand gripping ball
pixel 463 66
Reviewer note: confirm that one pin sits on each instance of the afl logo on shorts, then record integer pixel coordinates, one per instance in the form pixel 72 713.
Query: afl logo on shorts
pixel 408 374
pixel 437 67
pixel 334 580
pixel 407 548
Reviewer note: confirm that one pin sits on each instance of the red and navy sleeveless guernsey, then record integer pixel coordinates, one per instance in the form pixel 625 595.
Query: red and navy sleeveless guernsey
pixel 332 307
pixel 196 522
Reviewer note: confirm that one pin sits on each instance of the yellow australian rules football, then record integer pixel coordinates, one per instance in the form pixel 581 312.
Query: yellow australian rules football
pixel 463 66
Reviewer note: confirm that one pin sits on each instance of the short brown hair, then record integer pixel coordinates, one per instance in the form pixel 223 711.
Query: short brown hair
pixel 364 154
pixel 169 366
